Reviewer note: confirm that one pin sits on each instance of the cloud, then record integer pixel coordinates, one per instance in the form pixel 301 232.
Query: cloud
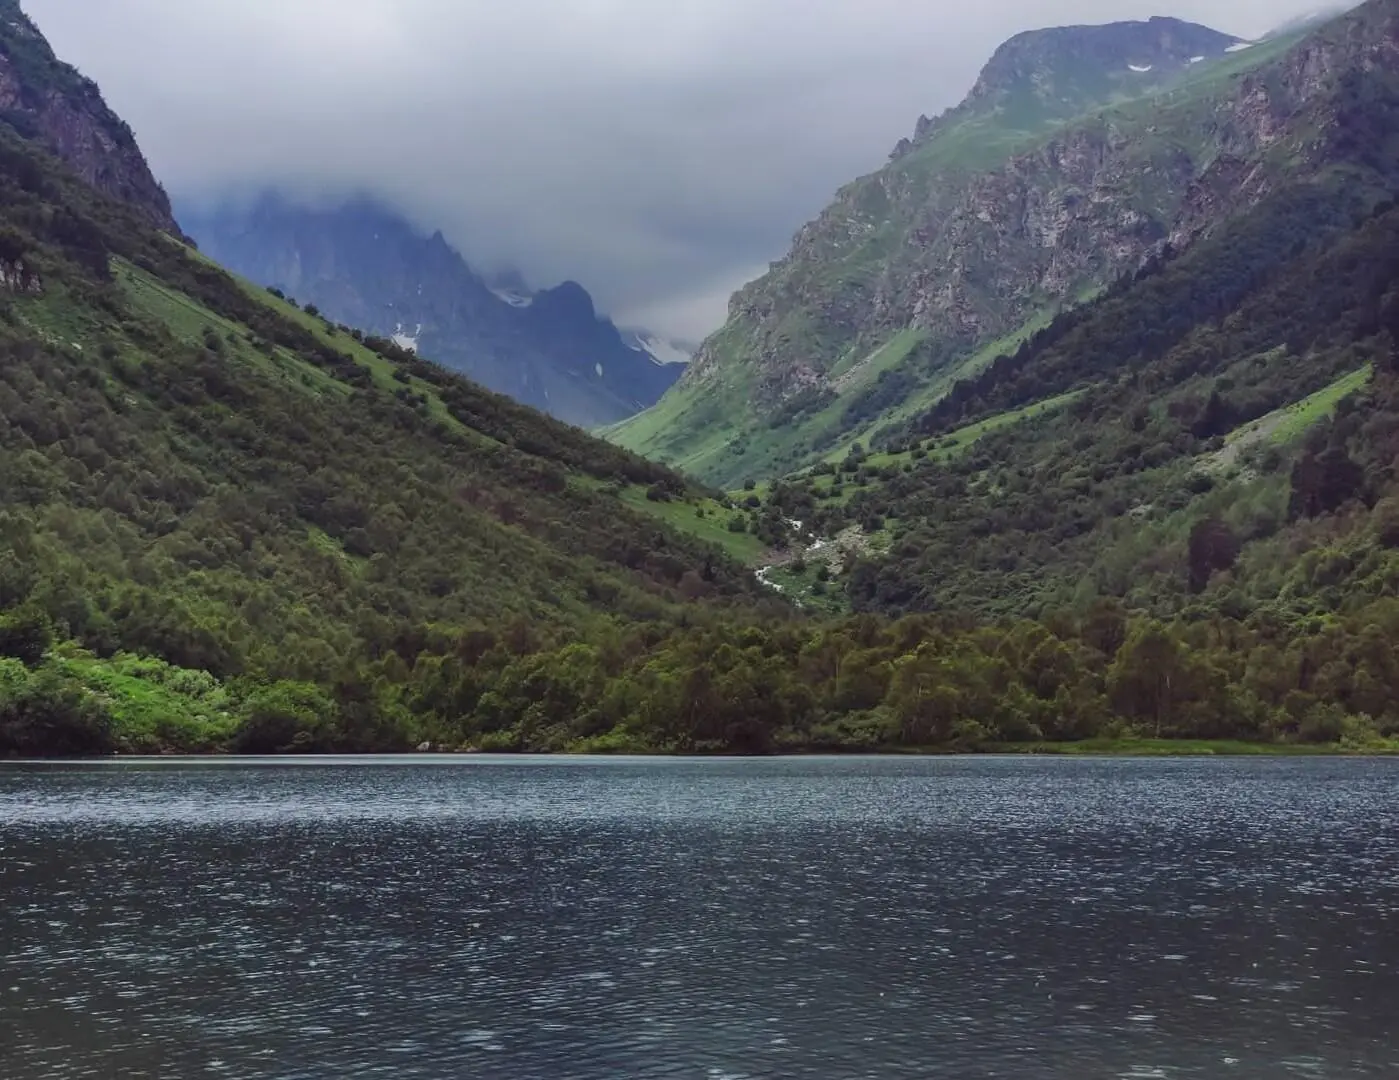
pixel 661 153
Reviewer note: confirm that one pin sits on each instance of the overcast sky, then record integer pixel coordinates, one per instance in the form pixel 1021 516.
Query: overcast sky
pixel 659 151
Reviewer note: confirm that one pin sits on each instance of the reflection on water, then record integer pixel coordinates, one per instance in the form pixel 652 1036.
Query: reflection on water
pixel 795 918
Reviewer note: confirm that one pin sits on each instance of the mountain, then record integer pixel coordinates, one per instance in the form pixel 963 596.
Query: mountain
pixel 45 99
pixel 1248 385
pixel 981 227
pixel 510 286
pixel 1195 468
pixel 230 523
pixel 1170 514
pixel 363 265
pixel 1060 73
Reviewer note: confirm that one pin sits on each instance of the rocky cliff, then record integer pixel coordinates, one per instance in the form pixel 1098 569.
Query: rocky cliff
pixel 49 102
pixel 1000 212
pixel 363 265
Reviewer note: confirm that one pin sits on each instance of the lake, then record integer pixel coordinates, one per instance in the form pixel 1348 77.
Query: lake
pixel 858 917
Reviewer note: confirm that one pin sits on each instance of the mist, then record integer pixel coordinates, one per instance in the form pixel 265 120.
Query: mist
pixel 662 154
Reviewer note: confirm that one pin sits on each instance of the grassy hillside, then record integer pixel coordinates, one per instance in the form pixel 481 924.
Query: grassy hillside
pixel 1171 514
pixel 1108 455
pixel 193 470
pixel 1200 480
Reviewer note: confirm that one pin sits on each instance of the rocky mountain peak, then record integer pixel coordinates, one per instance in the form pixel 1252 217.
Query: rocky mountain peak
pixel 1042 78
pixel 50 103
pixel 1062 58
pixel 568 301
pixel 1059 73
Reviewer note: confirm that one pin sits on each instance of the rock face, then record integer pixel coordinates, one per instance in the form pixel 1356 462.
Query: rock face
pixel 18 277
pixel 363 265
pixel 959 244
pixel 50 103
pixel 1022 199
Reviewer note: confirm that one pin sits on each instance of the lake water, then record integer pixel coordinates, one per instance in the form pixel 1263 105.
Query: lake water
pixel 1055 919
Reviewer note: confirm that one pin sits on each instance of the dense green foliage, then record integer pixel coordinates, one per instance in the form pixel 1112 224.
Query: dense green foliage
pixel 1100 497
pixel 1210 506
pixel 227 524
pixel 193 471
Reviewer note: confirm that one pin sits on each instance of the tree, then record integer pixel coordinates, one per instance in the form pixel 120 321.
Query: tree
pixel 1217 417
pixel 1105 626
pixel 1213 548
pixel 1324 482
pixel 692 585
pixel 1386 520
pixel 25 636
pixel 1147 680
pixel 286 718
pixel 44 713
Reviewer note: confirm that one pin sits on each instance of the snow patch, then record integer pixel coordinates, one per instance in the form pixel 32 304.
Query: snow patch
pixel 514 299
pixel 598 369
pixel 1139 70
pixel 405 340
pixel 1240 46
pixel 659 349
pixel 1197 59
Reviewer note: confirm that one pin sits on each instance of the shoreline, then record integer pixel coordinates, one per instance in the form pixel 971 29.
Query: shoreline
pixel 1124 749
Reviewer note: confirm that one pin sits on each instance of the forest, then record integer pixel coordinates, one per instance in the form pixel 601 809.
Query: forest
pixel 232 526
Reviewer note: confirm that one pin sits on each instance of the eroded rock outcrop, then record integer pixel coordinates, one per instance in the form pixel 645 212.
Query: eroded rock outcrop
pixel 49 102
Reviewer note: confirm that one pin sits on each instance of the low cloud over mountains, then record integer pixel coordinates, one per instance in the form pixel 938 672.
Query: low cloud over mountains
pixel 660 153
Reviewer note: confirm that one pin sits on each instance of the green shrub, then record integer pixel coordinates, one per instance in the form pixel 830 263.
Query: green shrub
pixel 46 714
pixel 286 718
pixel 25 636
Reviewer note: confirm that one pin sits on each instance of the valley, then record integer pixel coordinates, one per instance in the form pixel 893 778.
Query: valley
pixel 978 657
pixel 1075 426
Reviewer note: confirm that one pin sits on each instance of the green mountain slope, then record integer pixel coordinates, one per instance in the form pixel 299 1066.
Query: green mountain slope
pixel 1059 477
pixel 998 215
pixel 194 470
pixel 1195 472
pixel 1172 515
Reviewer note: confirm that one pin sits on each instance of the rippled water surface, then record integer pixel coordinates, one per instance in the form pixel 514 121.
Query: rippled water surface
pixel 719 919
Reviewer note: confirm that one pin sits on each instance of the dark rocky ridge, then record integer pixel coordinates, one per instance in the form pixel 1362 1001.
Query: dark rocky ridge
pixel 49 102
